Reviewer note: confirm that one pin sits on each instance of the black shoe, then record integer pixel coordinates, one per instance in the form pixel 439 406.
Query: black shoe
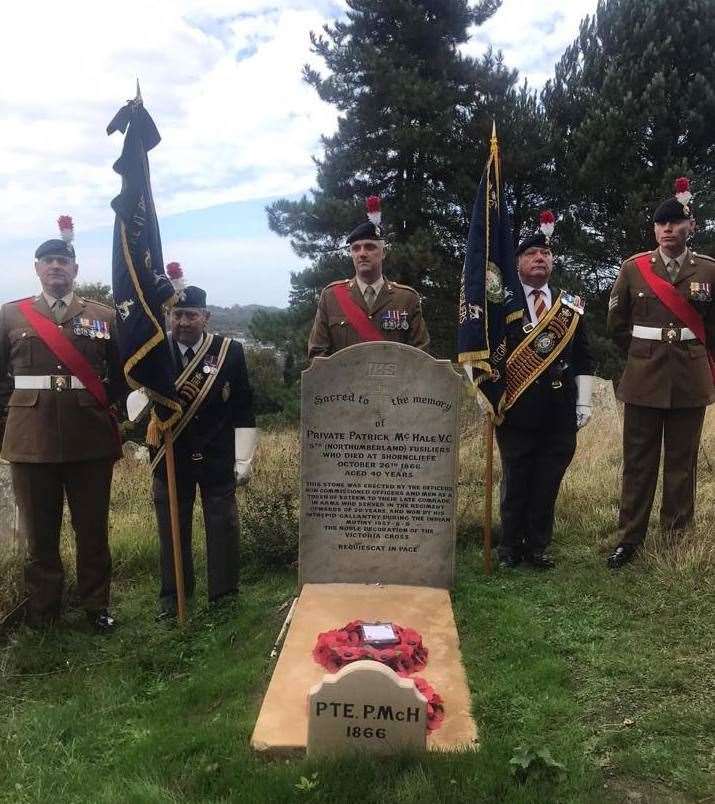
pixel 167 610
pixel 509 561
pixel 102 621
pixel 621 556
pixel 542 561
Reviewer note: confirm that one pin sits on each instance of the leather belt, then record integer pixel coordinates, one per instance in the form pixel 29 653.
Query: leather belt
pixel 667 334
pixel 47 382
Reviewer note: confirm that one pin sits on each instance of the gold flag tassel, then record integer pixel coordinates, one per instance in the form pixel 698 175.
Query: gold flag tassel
pixel 153 431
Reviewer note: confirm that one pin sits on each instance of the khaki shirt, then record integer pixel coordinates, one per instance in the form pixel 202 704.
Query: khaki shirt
pixel 49 426
pixel 332 332
pixel 660 374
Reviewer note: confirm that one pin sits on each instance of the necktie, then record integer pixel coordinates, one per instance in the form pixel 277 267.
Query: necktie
pixel 58 308
pixel 369 296
pixel 673 270
pixel 539 303
pixel 188 356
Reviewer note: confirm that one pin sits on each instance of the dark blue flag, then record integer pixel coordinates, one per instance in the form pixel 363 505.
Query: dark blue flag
pixel 491 296
pixel 139 284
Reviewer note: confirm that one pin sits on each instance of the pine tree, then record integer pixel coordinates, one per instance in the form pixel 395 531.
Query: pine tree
pixel 415 120
pixel 632 106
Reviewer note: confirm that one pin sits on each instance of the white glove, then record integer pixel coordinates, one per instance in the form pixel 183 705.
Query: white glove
pixel 137 405
pixel 584 386
pixel 246 442
pixel 583 415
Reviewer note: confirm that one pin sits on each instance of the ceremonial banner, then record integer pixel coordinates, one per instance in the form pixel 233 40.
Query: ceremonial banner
pixel 491 296
pixel 139 284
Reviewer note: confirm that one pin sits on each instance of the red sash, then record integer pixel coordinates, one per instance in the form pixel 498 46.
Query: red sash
pixel 356 316
pixel 57 342
pixel 677 305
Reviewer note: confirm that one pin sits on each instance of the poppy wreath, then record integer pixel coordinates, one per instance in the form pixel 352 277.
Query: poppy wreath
pixel 334 649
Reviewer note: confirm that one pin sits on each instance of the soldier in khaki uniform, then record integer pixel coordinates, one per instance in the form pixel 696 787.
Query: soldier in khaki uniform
pixel 368 302
pixel 58 438
pixel 668 379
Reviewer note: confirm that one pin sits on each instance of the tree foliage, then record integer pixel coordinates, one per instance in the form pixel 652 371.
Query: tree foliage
pixel 415 120
pixel 96 291
pixel 631 106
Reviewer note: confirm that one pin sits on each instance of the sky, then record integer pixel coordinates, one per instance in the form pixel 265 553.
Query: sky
pixel 239 127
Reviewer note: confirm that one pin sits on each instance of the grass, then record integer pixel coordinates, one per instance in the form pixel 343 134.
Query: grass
pixel 612 673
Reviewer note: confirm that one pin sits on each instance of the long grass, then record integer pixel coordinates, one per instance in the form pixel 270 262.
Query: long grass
pixel 611 672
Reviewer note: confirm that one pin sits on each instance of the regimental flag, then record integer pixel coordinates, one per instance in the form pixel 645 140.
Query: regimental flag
pixel 139 284
pixel 491 296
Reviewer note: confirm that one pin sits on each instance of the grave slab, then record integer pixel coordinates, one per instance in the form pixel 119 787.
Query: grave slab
pixel 282 726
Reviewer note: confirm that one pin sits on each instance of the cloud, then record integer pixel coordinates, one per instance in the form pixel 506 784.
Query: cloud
pixel 532 36
pixel 222 80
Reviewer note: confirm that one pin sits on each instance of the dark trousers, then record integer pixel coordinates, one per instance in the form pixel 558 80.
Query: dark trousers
pixel 533 465
pixel 39 493
pixel 222 533
pixel 645 431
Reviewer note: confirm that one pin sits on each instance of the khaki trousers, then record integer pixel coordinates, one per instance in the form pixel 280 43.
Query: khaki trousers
pixel 645 430
pixel 39 492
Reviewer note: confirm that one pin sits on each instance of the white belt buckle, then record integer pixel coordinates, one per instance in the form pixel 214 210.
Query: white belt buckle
pixel 670 334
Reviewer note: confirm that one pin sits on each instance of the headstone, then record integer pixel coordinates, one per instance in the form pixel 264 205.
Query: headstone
pixel 9 538
pixel 379 449
pixel 366 707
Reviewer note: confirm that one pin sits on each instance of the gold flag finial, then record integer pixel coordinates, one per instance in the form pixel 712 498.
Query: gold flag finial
pixel 494 144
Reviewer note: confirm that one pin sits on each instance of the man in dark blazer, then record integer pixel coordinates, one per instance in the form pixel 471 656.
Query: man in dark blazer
pixel 668 378
pixel 60 438
pixel 537 438
pixel 214 444
pixel 367 303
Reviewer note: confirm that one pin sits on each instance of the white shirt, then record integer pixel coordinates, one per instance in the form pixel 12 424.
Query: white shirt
pixel 183 347
pixel 376 285
pixel 545 295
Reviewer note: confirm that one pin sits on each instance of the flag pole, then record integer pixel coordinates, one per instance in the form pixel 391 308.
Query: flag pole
pixel 488 486
pixel 175 532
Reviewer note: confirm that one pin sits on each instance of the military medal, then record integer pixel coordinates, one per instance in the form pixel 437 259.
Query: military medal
pixel 210 365
pixel 700 291
pixel 387 322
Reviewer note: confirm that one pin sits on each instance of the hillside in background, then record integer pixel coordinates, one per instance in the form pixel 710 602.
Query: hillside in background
pixel 234 320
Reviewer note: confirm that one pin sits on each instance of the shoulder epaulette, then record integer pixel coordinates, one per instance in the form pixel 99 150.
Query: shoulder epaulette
pixel 338 282
pixel 98 303
pixel 17 301
pixel 404 287
pixel 703 256
pixel 635 256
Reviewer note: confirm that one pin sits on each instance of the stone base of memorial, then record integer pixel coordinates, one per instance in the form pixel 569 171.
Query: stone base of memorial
pixel 282 727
